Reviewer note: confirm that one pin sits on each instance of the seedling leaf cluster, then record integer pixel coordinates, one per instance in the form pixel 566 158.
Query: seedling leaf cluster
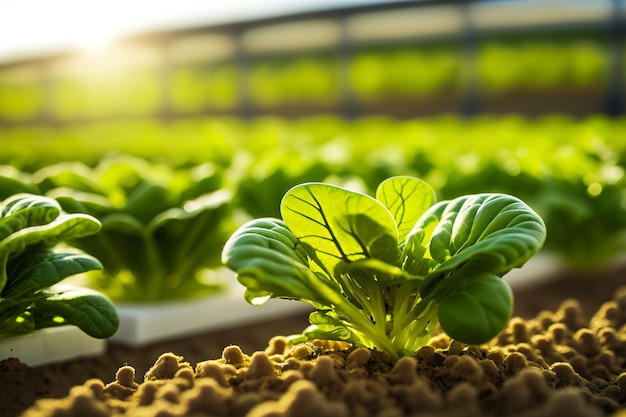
pixel 383 272
pixel 30 299
pixel 571 171
pixel 160 226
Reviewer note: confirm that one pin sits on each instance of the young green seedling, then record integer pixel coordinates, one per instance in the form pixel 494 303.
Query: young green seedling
pixel 161 227
pixel 30 269
pixel 382 272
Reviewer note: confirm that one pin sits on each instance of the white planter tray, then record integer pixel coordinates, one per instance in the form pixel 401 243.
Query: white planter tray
pixel 142 324
pixel 56 344
pixel 540 268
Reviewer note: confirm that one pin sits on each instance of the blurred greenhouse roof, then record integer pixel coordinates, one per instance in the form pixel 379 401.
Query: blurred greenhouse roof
pixel 71 60
pixel 33 27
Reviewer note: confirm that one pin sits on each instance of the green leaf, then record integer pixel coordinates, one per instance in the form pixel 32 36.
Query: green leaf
pixel 34 271
pixel 407 199
pixel 72 174
pixel 64 227
pixel 414 261
pixel 124 243
pixel 123 172
pixel 326 326
pixel 35 220
pixel 26 210
pixel 87 309
pixel 14 316
pixel 187 237
pixel 200 180
pixel 13 181
pixel 148 200
pixel 478 307
pixel 384 272
pixel 485 232
pixel 335 225
pixel 270 263
pixel 74 201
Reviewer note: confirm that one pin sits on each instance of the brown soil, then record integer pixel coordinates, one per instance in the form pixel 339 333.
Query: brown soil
pixel 565 362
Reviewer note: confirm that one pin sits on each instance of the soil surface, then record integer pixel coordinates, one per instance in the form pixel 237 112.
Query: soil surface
pixel 566 341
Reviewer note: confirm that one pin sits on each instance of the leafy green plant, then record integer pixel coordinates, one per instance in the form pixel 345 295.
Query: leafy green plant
pixel 277 81
pixel 160 227
pixel 111 92
pixel 574 62
pixel 194 88
pixel 30 226
pixel 543 161
pixel 19 101
pixel 406 71
pixel 383 272
pixel 13 181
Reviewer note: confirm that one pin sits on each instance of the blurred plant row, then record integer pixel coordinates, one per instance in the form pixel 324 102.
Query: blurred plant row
pixel 373 73
pixel 160 226
pixel 172 193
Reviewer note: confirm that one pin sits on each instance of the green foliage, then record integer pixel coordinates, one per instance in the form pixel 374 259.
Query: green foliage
pixel 542 64
pixel 594 211
pixel 30 227
pixel 201 87
pixel 409 71
pixel 13 181
pixel 306 79
pixel 160 227
pixel 544 161
pixel 20 101
pixel 382 272
pixel 134 92
pixel 257 193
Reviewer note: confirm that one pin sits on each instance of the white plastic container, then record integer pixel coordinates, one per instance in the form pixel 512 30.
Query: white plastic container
pixel 145 323
pixel 56 344
pixel 542 267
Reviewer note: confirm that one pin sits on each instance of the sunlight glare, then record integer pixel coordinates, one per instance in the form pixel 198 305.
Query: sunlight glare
pixel 72 24
pixel 92 37
pixel 30 27
pixel 88 26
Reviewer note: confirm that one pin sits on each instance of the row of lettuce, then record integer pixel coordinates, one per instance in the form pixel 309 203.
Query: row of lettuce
pixel 571 171
pixel 148 222
pixel 373 74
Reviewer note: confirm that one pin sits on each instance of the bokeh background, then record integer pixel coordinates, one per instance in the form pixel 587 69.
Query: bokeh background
pixel 525 97
pixel 65 62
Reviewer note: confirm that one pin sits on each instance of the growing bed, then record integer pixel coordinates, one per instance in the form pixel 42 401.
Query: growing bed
pixel 479 380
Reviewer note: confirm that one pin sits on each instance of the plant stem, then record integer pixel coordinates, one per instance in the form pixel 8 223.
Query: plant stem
pixel 357 320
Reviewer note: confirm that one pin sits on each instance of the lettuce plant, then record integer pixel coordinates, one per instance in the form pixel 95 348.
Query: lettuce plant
pixel 30 226
pixel 382 272
pixel 160 226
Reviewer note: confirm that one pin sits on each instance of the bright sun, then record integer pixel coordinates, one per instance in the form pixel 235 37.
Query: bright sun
pixel 60 23
pixel 36 26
